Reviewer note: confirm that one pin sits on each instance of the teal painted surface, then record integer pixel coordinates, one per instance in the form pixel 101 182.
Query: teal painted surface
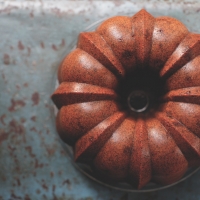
pixel 34 38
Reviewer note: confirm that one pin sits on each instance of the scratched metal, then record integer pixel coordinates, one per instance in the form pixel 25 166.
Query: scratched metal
pixel 34 37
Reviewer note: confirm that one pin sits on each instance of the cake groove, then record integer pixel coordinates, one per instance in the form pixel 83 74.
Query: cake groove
pixel 97 47
pixel 188 114
pixel 81 67
pixel 167 161
pixel 73 92
pixel 119 38
pixel 185 95
pixel 140 162
pixel 186 76
pixel 168 33
pixel 187 50
pixel 91 143
pixel 114 158
pixel 85 116
pixel 143 25
pixel 185 140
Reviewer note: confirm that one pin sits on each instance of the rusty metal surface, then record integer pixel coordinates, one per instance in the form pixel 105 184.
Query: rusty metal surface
pixel 35 35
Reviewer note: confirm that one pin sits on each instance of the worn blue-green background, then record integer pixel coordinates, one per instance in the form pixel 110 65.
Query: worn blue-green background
pixel 34 37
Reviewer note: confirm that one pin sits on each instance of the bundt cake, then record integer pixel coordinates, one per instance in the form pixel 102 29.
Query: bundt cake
pixel 129 99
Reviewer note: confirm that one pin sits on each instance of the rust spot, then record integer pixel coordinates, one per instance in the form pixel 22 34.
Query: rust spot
pixel 20 46
pixel 18 87
pixel 18 182
pixel 2 117
pixel 3 178
pixel 12 149
pixel 53 191
pixel 67 181
pixel 118 3
pixel 44 186
pixel 29 149
pixel 56 11
pixel 33 129
pixel 25 85
pixel 42 45
pixel 62 43
pixel 52 174
pixel 33 118
pixel 3 136
pixel 51 151
pixel 35 98
pixel 22 120
pixel 62 152
pixel 31 14
pixel 29 51
pixel 44 196
pixel 4 77
pixel 38 191
pixel 15 127
pixel 27 197
pixel 17 168
pixel 6 59
pixel 16 104
pixel 38 165
pixel 8 9
pixel 47 105
pixel 54 47
pixel 15 196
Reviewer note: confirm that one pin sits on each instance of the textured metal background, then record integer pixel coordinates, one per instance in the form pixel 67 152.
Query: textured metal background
pixel 34 37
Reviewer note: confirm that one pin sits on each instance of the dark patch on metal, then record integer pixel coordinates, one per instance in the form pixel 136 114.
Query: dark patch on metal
pixel 3 136
pixel 35 98
pixel 16 104
pixel 20 46
pixel 2 118
pixel 6 59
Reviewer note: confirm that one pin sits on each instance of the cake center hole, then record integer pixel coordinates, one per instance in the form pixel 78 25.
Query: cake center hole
pixel 138 101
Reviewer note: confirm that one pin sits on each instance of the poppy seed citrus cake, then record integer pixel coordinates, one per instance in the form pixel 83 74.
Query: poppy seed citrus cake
pixel 129 99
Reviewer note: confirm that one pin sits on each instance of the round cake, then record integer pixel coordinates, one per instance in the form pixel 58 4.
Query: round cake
pixel 129 98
